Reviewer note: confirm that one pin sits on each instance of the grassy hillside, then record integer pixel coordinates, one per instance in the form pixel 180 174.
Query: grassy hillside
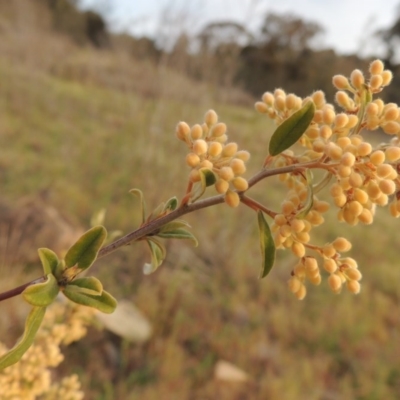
pixel 89 141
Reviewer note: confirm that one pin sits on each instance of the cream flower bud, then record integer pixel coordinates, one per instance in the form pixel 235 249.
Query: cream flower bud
pixel 196 132
pixel 318 98
pixel 376 82
pixel 343 99
pixel 229 150
pixel 214 149
pixel 182 130
pixel 240 183
pixel 353 274
pixel 218 130
pixel 268 98
pixel 330 265
pixel 294 284
pixel 192 160
pixel 353 287
pixel 243 155
pixel 226 173
pixel 340 82
pixel 298 249
pixel 310 264
pixel 387 77
pixel 376 67
pixel 341 120
pixel 335 283
pixel 261 107
pixel 200 147
pixel 363 149
pixel 221 186
pixel 377 157
pixel 211 117
pixel 301 293
pixel 392 153
pixel 391 127
pixel 238 166
pixel 341 244
pixel 357 79
pixel 232 198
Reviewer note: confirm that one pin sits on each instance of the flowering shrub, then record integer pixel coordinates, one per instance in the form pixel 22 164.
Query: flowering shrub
pixel 311 136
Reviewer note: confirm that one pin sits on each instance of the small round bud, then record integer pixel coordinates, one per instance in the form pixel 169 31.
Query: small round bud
pixel 280 219
pixel 335 283
pixel 200 147
pixel 340 200
pixel 341 120
pixel 214 149
pixel 341 244
pixel 357 79
pixel 340 82
pixel 221 139
pixel 353 274
pixel 268 98
pixel 353 287
pixel 384 170
pixel 238 166
pixel 218 130
pixel 361 196
pixel 192 160
pixel 229 150
pixel 298 249
pixel 377 157
pixel 387 77
pixel 297 225
pixel 232 198
pixel 211 117
pixel 291 101
pixel 356 180
pixel 348 159
pixel 182 130
pixel 372 109
pixel 240 184
pixel 318 98
pixel 376 67
pixel 325 131
pixel 392 153
pixel 373 190
pixel 221 186
pixel 280 103
pixel 353 121
pixel 343 99
pixel 243 155
pixel 366 217
pixel 391 127
pixel 287 207
pixel 294 284
pixel 330 265
pixel 391 112
pixel 310 263
pixel 316 279
pixel 261 107
pixel 206 164
pixel 301 293
pixel 196 132
pixel 194 175
pixel 363 149
pixel 376 82
pixel 344 171
pixel 226 173
pixel 387 186
pixel 328 115
pixel 336 190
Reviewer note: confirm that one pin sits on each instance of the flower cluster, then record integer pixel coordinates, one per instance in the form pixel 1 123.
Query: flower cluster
pixel 31 377
pixel 210 150
pixel 361 177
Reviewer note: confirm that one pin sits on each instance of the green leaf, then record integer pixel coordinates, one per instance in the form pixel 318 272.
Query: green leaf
pixel 42 294
pixel 179 234
pixel 207 178
pixel 32 325
pixel 176 224
pixel 88 284
pixel 171 204
pixel 157 252
pixel 49 261
pixel 310 197
pixel 267 245
pixel 139 194
pixel 104 303
pixel 291 130
pixel 84 252
pixel 157 212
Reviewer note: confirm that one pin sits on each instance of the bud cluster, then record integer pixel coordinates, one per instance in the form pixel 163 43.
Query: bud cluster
pixel 209 149
pixel 363 177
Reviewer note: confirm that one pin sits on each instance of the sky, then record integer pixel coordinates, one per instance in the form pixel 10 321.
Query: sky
pixel 348 23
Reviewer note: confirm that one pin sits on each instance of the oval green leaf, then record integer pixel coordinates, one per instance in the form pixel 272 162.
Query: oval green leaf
pixel 104 303
pixel 49 260
pixel 291 130
pixel 267 245
pixel 84 252
pixel 171 204
pixel 88 284
pixel 177 224
pixel 179 234
pixel 308 204
pixel 157 252
pixel 42 294
pixel 139 194
pixel 32 325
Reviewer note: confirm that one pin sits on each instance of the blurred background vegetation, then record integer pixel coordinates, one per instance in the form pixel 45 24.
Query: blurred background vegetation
pixel 86 115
